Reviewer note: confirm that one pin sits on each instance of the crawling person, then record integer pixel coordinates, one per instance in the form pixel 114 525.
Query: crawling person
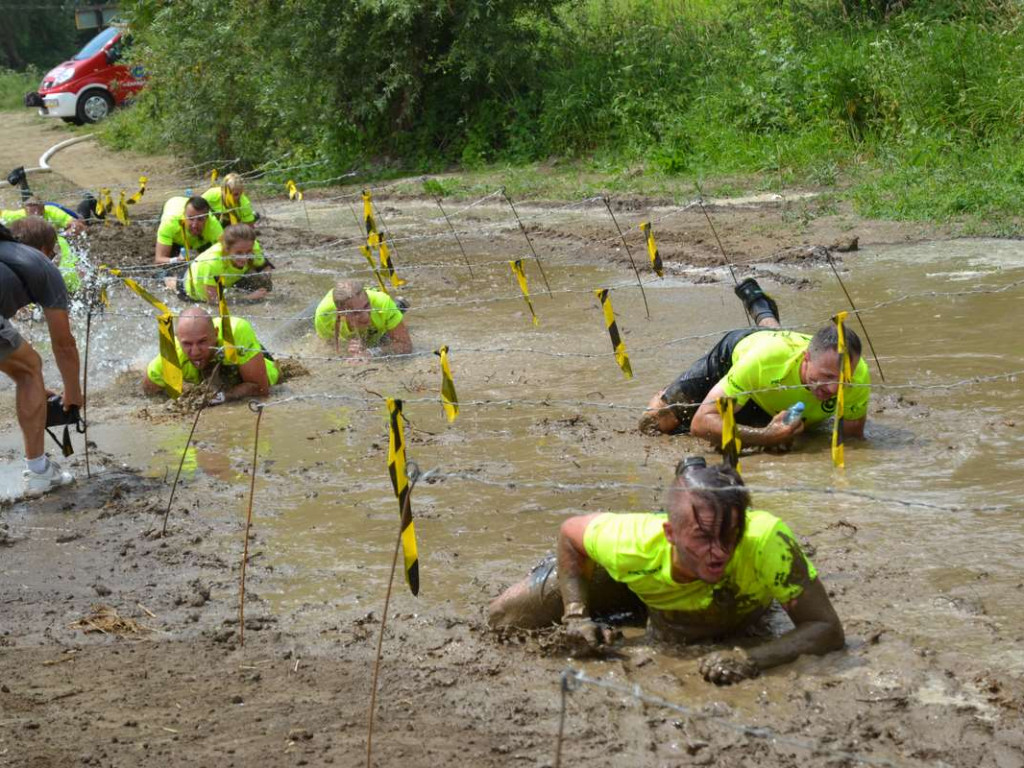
pixel 231 258
pixel 368 321
pixel 767 370
pixel 63 221
pixel 707 569
pixel 229 203
pixel 40 234
pixel 186 229
pixel 200 345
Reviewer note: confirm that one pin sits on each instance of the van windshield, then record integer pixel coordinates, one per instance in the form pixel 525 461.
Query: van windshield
pixel 95 45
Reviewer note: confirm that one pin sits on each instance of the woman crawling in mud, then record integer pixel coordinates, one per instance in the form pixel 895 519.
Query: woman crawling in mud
pixel 708 568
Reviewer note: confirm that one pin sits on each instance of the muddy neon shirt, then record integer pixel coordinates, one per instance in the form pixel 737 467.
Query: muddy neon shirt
pixel 68 265
pixel 384 315
pixel 634 551
pixel 767 363
pixel 211 263
pixel 246 343
pixel 58 217
pixel 170 231
pixel 243 206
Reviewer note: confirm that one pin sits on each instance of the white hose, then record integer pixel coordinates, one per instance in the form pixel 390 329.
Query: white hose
pixel 44 159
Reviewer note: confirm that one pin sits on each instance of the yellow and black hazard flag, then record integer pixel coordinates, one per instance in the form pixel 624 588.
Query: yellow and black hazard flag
pixel 121 210
pixel 400 482
pixel 138 195
pixel 294 193
pixel 730 440
pixel 142 292
pixel 652 249
pixel 226 332
pixel 169 355
pixel 387 265
pixel 104 204
pixel 613 330
pixel 368 255
pixel 185 236
pixel 230 205
pixel 517 270
pixel 213 176
pixel 838 454
pixel 449 400
pixel 368 220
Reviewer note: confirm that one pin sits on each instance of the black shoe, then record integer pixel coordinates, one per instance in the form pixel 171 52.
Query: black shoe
pixel 758 303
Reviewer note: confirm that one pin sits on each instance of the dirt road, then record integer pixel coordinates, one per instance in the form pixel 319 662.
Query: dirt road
pixel 121 647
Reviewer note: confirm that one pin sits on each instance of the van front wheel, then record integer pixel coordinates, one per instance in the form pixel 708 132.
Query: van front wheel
pixel 93 106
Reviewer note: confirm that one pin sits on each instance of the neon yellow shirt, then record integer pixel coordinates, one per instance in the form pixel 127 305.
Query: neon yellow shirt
pixel 384 315
pixel 68 265
pixel 211 263
pixel 170 231
pixel 634 551
pixel 246 343
pixel 243 207
pixel 769 359
pixel 57 217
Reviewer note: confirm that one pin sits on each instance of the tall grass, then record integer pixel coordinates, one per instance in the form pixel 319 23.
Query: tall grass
pixel 14 86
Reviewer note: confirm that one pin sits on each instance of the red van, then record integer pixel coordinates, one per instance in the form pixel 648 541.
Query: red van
pixel 85 89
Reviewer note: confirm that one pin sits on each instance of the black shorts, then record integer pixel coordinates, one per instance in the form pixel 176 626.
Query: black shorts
pixel 10 339
pixel 695 384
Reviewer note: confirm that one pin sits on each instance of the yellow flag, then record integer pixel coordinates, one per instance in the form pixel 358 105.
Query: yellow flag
pixel 517 270
pixel 185 236
pixel 618 345
pixel 368 220
pixel 142 190
pixel 652 249
pixel 104 203
pixel 169 355
pixel 121 211
pixel 373 267
pixel 400 482
pixel 230 205
pixel 449 400
pixel 387 265
pixel 293 191
pixel 838 453
pixel 143 293
pixel 213 176
pixel 730 440
pixel 226 332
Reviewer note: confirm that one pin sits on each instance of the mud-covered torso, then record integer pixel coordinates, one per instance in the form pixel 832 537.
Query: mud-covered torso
pixel 766 565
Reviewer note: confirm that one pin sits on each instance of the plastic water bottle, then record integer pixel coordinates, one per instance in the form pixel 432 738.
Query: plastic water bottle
pixel 793 413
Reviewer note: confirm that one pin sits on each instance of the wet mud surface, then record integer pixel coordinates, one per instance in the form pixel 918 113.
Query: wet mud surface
pixel 120 646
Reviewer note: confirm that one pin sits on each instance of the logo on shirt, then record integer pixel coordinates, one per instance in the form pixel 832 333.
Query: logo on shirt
pixel 829 406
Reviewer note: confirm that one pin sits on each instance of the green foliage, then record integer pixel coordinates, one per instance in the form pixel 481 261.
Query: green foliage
pixel 897 99
pixel 14 86
pixel 42 36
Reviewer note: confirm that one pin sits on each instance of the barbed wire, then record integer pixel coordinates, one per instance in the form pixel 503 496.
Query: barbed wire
pixel 574 679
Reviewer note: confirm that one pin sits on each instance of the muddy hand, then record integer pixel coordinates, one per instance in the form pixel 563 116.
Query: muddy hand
pixel 727 667
pixel 589 633
pixel 782 435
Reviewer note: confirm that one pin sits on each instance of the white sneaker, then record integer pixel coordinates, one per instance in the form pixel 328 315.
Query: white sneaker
pixel 38 483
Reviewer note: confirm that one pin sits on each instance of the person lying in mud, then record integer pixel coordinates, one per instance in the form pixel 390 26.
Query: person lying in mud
pixel 707 569
pixel 369 322
pixel 63 221
pixel 767 370
pixel 185 221
pixel 200 346
pixel 40 234
pixel 231 258
pixel 228 201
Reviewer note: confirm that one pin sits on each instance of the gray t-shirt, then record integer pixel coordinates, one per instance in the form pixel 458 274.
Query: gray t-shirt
pixel 28 277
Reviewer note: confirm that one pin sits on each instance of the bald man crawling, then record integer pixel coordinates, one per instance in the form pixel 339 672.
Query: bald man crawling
pixel 200 346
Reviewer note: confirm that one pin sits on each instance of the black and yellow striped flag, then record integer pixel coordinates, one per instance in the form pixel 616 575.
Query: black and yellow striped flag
pixel 368 255
pixel 104 205
pixel 138 195
pixel 652 249
pixel 517 270
pixel 121 211
pixel 173 380
pixel 293 191
pixel 387 265
pixel 613 330
pixel 230 205
pixel 449 400
pixel 168 349
pixel 730 440
pixel 226 331
pixel 400 482
pixel 368 220
pixel 838 452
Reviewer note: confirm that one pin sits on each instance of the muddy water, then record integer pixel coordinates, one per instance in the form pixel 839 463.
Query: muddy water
pixel 547 427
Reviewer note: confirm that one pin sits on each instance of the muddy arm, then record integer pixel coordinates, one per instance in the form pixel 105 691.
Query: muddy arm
pixel 574 565
pixel 817 631
pixel 254 380
pixel 854 428
pixel 398 340
pixel 707 424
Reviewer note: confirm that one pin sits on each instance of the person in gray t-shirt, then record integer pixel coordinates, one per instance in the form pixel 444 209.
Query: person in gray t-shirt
pixel 28 277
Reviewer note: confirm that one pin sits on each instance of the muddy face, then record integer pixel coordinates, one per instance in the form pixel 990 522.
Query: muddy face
pixel 701 550
pixel 357 310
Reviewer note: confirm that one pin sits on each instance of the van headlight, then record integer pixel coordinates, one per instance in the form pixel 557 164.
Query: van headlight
pixel 61 75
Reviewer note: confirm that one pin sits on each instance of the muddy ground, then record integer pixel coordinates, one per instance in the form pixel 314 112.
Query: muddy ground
pixel 120 646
